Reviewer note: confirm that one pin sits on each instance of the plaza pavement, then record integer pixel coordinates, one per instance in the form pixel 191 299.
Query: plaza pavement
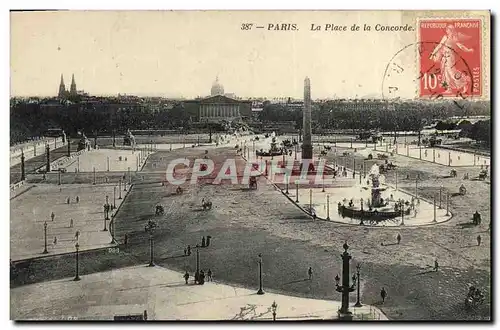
pixel 34 205
pixel 165 296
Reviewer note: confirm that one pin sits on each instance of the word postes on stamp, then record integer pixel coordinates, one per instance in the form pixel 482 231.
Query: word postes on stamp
pixel 450 57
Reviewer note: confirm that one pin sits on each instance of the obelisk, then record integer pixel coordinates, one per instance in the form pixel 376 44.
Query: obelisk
pixel 307 149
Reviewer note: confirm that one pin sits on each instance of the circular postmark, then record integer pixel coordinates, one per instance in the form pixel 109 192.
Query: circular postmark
pixel 427 70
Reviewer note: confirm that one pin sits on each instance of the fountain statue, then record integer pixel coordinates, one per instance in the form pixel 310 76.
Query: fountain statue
pixel 129 139
pixel 376 196
pixel 84 143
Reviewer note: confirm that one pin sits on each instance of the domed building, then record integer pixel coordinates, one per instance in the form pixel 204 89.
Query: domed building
pixel 217 88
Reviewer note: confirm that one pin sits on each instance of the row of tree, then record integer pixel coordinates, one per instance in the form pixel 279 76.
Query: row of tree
pixel 33 119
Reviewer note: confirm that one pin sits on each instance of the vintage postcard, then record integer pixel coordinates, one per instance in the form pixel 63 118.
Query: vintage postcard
pixel 250 165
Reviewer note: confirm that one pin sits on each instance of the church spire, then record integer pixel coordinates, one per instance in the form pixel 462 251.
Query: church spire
pixel 72 90
pixel 62 88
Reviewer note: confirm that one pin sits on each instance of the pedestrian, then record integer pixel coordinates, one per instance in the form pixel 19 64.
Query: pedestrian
pixel 189 250
pixel 185 251
pixel 398 238
pixel 125 239
pixel 310 273
pixel 71 223
pixel 145 315
pixel 55 240
pixel 77 199
pixel 186 277
pixel 383 294
pixel 52 216
pixel 68 200
pixel 202 277
pixel 478 240
pixel 208 240
pixel 209 273
pixel 436 265
pixel 203 242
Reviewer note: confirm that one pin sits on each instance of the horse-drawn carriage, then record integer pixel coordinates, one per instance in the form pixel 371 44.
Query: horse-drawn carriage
pixel 474 298
pixel 179 190
pixel 462 190
pixel 453 173
pixel 206 204
pixel 323 152
pixel 327 148
pixel 346 153
pixel 476 218
pixel 483 174
pixel 382 156
pixel 159 210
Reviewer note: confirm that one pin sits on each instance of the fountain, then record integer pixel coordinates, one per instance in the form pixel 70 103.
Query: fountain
pixel 273 150
pixel 378 208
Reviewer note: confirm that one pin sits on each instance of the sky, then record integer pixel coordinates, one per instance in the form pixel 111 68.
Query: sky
pixel 179 54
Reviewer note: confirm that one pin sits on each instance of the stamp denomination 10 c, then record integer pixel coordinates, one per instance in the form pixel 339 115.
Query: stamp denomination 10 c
pixel 450 53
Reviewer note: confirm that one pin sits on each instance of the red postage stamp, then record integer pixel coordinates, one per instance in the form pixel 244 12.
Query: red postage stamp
pixel 450 57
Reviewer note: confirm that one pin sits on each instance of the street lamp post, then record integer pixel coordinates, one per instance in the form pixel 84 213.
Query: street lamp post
pixel 296 191
pixel 114 198
pixel 358 302
pixel 440 195
pixel 310 200
pixel 106 210
pixel 434 220
pixel 327 207
pixel 120 189
pixel 362 212
pixel 93 170
pixel 447 203
pixel 77 276
pixel 345 288
pixel 274 307
pixel 45 236
pixel 150 228
pixel 23 175
pixel 286 184
pixel 416 186
pixel 260 275
pixel 197 274
pixel 402 214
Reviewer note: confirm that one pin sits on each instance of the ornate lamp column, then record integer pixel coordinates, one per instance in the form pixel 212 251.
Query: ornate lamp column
pixel 274 307
pixel 345 288
pixel 362 212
